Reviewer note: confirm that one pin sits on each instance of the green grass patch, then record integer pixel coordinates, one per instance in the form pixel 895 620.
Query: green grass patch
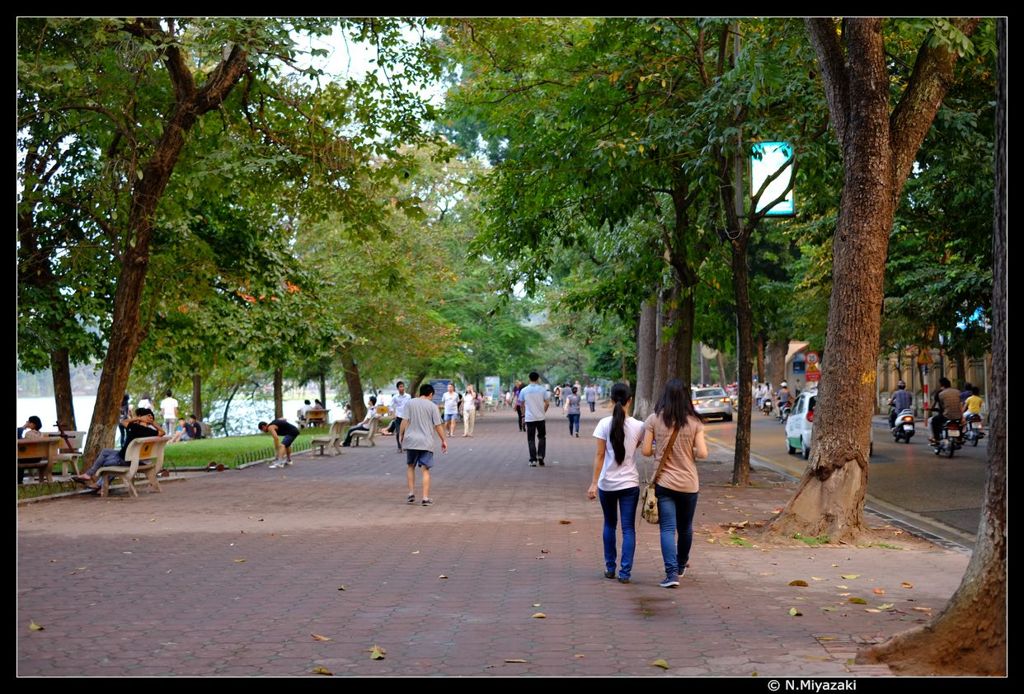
pixel 740 542
pixel 230 451
pixel 813 541
pixel 884 545
pixel 31 491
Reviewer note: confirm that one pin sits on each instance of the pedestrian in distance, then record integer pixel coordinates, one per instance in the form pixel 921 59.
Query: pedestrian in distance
pixel 398 405
pixel 590 392
pixel 572 411
pixel 416 436
pixel 534 401
pixel 616 480
pixel 284 433
pixel 674 434
pixel 450 400
pixel 469 406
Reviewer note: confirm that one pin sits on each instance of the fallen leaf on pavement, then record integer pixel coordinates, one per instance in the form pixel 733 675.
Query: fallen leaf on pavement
pixel 906 585
pixel 322 671
pixel 342 587
pixel 850 577
pixel 539 615
pixel 886 606
pixel 798 583
pixel 318 637
pixel 545 551
pixel 660 662
pixel 826 638
pixel 442 576
pixel 878 591
pixel 239 561
pixel 793 612
pixel 416 552
pixel 34 627
pixel 579 655
pixel 815 578
pixel 922 609
pixel 536 604
pixel 869 609
pixel 564 522
pixel 377 653
pixel 858 601
pixel 515 660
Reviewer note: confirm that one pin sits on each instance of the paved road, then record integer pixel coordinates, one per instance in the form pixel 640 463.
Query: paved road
pixel 942 496
pixel 232 573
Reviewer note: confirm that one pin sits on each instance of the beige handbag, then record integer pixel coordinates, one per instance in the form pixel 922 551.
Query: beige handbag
pixel 648 499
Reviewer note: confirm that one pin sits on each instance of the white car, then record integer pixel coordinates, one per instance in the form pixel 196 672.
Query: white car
pixel 712 402
pixel 800 425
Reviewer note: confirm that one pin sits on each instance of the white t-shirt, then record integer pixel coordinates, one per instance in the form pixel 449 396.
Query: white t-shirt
pixel 399 403
pixel 616 477
pixel 169 406
pixel 451 403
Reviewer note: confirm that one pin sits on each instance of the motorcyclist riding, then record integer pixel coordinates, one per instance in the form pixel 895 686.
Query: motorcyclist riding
pixel 900 400
pixel 947 405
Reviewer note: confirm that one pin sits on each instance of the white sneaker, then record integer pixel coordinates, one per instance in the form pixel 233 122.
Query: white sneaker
pixel 287 462
pixel 276 464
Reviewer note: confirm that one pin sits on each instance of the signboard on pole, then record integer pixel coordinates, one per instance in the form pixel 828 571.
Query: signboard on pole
pixel 813 367
pixel 492 387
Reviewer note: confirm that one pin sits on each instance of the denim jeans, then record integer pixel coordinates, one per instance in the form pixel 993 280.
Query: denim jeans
pixel 574 424
pixel 675 512
pixel 612 503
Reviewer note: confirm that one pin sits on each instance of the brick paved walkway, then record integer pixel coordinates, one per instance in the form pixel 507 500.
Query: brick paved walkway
pixel 243 566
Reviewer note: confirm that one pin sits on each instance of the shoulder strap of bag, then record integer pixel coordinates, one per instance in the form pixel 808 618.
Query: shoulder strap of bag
pixel 665 454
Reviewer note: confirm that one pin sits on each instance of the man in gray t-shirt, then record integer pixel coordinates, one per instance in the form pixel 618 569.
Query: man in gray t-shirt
pixel 417 440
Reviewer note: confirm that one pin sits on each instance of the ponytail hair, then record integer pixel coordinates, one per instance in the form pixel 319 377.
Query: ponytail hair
pixel 620 396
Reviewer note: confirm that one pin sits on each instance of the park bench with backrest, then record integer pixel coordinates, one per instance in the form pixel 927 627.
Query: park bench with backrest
pixel 357 436
pixel 70 450
pixel 38 454
pixel 334 438
pixel 144 456
pixel 316 418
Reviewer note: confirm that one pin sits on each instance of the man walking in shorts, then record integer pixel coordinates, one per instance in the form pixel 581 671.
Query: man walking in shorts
pixel 417 440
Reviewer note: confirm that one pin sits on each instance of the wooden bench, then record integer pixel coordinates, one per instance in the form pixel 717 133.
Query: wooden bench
pixel 144 456
pixel 333 438
pixel 366 434
pixel 38 454
pixel 315 418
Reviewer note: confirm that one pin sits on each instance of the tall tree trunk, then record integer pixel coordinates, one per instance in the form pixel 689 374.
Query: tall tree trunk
pixel 126 333
pixel 197 396
pixel 278 393
pixel 414 387
pixel 227 407
pixel 723 377
pixel 355 387
pixel 760 358
pixel 660 338
pixel 969 635
pixel 878 154
pixel 323 388
pixel 745 324
pixel 643 399
pixel 775 371
pixel 684 336
pixel 60 368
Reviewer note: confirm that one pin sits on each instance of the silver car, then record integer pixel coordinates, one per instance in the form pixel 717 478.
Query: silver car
pixel 712 402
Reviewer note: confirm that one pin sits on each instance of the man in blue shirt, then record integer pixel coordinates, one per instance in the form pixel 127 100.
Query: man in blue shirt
pixel 535 400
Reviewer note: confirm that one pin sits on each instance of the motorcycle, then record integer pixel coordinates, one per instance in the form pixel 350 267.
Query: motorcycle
pixel 766 407
pixel 784 410
pixel 904 426
pixel 973 431
pixel 950 439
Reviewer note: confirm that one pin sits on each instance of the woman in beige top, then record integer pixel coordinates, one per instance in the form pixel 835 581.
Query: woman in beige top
pixel 676 487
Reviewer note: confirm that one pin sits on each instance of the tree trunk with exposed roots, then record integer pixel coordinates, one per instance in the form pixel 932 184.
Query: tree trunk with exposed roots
pixel 969 635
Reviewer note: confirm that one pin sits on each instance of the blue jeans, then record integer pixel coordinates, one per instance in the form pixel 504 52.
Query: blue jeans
pixel 675 511
pixel 574 424
pixel 624 500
